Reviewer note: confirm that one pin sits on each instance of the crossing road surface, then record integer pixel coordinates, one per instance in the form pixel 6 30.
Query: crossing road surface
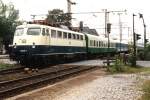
pixel 143 63
pixel 99 62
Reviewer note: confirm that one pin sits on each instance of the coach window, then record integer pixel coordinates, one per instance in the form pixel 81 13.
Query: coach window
pixel 102 44
pixel 65 35
pixel 99 44
pixel 69 35
pixel 91 42
pixel 53 33
pixel 59 34
pixel 105 44
pixel 94 42
pixel 110 44
pixel 43 32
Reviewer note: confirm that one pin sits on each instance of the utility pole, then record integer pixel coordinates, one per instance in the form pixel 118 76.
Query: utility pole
pixel 107 18
pixel 145 40
pixel 134 45
pixel 120 29
pixel 106 21
pixel 69 3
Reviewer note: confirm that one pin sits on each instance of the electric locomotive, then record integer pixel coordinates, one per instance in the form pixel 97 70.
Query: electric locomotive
pixel 35 43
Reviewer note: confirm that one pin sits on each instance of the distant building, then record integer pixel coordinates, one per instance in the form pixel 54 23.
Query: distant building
pixel 87 30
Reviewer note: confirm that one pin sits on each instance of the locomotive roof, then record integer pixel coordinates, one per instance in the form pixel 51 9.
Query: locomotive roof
pixel 42 26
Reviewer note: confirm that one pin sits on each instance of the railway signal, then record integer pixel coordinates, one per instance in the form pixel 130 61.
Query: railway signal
pixel 146 40
pixel 108 28
pixel 138 36
pixel 108 32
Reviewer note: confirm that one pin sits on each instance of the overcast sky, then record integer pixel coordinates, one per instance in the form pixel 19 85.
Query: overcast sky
pixel 29 7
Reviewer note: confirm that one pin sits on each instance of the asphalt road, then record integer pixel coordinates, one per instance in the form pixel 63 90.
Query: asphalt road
pixel 143 63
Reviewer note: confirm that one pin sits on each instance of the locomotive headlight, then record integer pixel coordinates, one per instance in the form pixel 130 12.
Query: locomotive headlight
pixel 15 46
pixel 33 46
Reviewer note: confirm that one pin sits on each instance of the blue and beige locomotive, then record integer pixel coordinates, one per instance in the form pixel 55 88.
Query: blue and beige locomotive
pixel 35 44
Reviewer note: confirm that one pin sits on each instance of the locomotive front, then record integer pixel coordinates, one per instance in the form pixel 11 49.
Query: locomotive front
pixel 28 42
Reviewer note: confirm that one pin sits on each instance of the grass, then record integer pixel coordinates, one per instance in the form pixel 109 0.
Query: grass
pixel 146 90
pixel 127 69
pixel 5 66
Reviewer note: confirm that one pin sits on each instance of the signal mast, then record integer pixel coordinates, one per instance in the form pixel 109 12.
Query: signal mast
pixel 69 3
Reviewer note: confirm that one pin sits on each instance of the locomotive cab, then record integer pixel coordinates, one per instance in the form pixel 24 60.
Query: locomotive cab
pixel 29 41
pixel 31 35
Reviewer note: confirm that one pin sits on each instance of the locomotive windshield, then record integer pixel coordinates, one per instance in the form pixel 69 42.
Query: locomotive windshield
pixel 33 31
pixel 19 31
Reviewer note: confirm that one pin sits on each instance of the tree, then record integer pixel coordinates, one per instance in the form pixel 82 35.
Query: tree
pixel 57 17
pixel 8 23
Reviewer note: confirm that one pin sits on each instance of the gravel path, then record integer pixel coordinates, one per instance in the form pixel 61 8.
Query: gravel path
pixel 92 86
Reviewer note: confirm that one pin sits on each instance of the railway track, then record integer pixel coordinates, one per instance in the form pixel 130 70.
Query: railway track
pixel 8 88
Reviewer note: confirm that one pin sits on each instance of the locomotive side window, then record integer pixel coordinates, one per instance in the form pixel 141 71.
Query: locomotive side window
pixel 53 33
pixel 69 35
pixel 78 37
pixel 19 31
pixel 43 31
pixel 59 34
pixel 33 31
pixel 47 31
pixel 73 36
pixel 65 35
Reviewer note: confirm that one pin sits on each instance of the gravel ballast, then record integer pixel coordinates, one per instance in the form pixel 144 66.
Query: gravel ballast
pixel 91 86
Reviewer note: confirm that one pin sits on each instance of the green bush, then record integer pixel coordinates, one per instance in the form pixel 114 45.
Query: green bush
pixel 118 64
pixel 146 90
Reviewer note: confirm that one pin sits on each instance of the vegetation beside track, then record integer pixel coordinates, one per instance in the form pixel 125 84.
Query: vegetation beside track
pixel 146 90
pixel 128 69
pixel 5 66
pixel 120 67
pixel 124 65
